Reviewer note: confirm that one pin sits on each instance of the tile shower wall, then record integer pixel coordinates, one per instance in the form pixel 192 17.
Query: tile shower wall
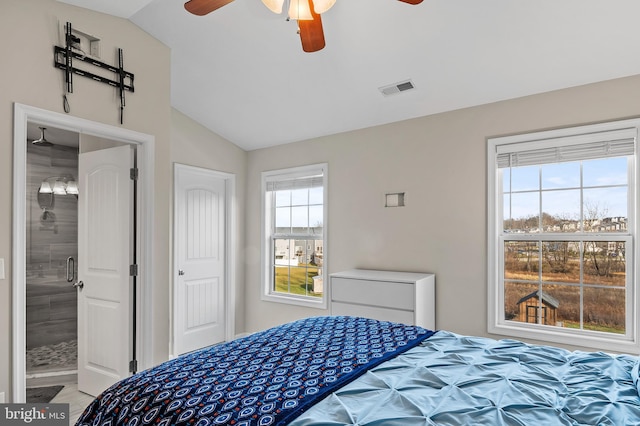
pixel 51 238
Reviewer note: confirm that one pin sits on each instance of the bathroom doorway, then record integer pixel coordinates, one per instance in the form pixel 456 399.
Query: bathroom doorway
pixel 138 324
pixel 51 260
pixel 53 286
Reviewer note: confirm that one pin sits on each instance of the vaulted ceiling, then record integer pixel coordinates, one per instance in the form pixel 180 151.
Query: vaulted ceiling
pixel 241 72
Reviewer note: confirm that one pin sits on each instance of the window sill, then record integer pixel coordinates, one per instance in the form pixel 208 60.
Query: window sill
pixel 317 303
pixel 583 339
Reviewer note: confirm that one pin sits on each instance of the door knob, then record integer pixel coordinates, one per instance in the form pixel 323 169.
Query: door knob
pixel 180 272
pixel 79 285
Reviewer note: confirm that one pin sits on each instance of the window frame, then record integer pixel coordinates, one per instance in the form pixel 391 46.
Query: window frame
pixel 496 322
pixel 268 233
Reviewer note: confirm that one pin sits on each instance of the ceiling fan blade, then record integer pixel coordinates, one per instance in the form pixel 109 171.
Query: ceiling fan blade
pixel 412 1
pixel 202 7
pixel 311 32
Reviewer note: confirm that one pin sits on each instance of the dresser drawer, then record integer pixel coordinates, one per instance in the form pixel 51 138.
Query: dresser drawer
pixel 374 312
pixel 373 293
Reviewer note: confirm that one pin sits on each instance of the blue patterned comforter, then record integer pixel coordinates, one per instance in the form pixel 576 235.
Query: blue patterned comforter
pixel 267 378
pixel 458 380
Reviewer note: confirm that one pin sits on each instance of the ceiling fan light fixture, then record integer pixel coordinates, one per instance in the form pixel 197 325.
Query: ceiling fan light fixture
pixel 321 6
pixel 306 12
pixel 274 5
pixel 300 10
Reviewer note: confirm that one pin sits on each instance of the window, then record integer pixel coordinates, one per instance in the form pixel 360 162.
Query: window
pixel 562 235
pixel 295 226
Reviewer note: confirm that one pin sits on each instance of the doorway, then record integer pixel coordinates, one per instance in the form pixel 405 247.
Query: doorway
pixel 51 257
pixel 24 117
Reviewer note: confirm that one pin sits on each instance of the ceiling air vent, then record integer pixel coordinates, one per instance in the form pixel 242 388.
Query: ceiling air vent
pixel 392 89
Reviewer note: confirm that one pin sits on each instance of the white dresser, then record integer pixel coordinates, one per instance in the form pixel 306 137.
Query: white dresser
pixel 404 297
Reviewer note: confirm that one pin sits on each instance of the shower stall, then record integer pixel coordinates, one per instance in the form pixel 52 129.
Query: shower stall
pixel 51 250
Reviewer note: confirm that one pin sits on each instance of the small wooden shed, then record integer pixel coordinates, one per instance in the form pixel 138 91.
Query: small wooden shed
pixel 529 305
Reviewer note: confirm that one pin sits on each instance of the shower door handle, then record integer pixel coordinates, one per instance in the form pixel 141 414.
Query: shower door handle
pixel 71 269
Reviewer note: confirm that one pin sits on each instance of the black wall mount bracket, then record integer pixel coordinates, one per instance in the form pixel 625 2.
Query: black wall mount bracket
pixel 64 57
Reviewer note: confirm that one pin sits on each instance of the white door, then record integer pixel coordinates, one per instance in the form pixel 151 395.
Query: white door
pixel 199 244
pixel 104 256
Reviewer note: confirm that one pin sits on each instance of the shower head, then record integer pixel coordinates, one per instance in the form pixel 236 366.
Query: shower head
pixel 42 141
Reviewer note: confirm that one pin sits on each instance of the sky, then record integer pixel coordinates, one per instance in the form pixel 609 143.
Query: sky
pixel 558 187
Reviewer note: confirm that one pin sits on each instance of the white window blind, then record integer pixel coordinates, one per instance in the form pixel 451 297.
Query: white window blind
pixel 584 147
pixel 295 183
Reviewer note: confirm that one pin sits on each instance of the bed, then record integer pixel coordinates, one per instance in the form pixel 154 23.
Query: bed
pixel 341 370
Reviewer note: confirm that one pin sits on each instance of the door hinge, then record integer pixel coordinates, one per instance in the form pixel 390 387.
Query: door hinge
pixel 133 270
pixel 133 173
pixel 133 366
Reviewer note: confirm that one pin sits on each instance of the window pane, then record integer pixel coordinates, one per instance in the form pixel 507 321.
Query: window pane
pixel 604 309
pixel 300 219
pixel 560 206
pixel 315 219
pixel 604 263
pixel 560 175
pixel 283 198
pixel 514 293
pixel 300 197
pixel 525 178
pixel 506 180
pixel 316 195
pixel 604 204
pixel 521 260
pixel 561 305
pixel 606 171
pixel 283 253
pixel 561 261
pixel 523 213
pixel 283 220
pixel 296 267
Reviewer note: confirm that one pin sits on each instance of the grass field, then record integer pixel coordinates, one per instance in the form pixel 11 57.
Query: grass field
pixel 604 308
pixel 296 279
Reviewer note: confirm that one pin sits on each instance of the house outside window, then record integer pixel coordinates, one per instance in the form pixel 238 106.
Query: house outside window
pixel 562 235
pixel 294 238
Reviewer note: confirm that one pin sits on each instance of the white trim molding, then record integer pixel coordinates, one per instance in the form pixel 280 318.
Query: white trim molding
pixel 582 144
pixel 307 174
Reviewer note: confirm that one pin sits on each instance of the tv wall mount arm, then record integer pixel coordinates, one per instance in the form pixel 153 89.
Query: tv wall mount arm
pixel 63 59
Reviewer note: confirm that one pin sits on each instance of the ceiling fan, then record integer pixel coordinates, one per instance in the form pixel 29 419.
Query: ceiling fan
pixel 306 12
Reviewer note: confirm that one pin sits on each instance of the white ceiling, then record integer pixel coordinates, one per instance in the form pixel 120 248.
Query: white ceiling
pixel 241 72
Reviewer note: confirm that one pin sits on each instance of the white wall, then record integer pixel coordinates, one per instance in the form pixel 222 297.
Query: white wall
pixel 194 145
pixel 439 161
pixel 29 30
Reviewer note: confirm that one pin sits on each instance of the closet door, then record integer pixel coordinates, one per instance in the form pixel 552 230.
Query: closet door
pixel 200 246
